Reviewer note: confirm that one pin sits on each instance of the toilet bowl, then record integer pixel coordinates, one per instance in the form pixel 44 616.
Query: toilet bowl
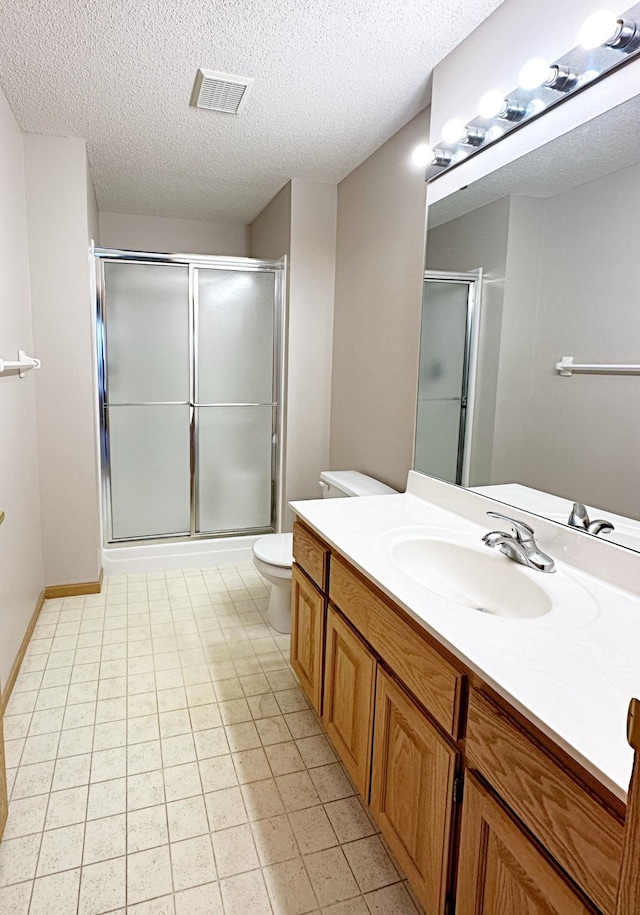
pixel 273 558
pixel 273 553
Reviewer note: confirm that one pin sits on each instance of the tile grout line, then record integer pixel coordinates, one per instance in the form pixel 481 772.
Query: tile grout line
pixel 244 663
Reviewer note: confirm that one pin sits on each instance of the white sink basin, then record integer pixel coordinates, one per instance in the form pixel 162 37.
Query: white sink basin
pixel 467 576
pixel 457 567
pixel 623 535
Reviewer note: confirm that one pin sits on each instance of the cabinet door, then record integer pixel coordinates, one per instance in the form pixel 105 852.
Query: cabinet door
pixel 412 791
pixel 349 690
pixel 4 801
pixel 307 635
pixel 501 869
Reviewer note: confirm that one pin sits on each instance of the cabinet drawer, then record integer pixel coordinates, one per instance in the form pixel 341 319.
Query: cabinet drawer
pixel 501 870
pixel 582 835
pixel 434 682
pixel 311 555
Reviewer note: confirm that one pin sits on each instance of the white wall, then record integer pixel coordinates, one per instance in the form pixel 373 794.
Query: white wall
pixel 173 236
pixel 21 575
pixel 379 266
pixel 300 222
pixel 311 295
pixel 58 218
pixel 584 442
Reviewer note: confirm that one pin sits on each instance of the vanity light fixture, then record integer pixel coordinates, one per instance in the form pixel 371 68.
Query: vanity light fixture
pixel 424 155
pixel 453 131
pixel 604 30
pixel 456 131
pixel 473 136
pixel 537 73
pixel 493 104
pixel 442 158
pixel 542 85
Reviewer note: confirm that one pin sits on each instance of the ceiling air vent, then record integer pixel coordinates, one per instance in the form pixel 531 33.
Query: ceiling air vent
pixel 221 91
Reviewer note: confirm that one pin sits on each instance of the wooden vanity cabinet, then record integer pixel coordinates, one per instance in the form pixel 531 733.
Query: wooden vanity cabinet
pixel 413 787
pixel 371 649
pixel 502 871
pixel 349 691
pixel 538 835
pixel 576 828
pixel 309 584
pixel 308 620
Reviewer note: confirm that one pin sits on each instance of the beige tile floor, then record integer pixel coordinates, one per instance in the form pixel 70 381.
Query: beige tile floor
pixel 162 760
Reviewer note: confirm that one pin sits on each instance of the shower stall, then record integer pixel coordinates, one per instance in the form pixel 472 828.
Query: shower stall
pixel 446 386
pixel 190 364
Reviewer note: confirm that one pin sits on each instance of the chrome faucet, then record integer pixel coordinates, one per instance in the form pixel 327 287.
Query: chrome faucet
pixel 519 546
pixel 579 518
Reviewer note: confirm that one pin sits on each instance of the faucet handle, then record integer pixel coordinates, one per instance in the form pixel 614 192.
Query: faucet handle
pixel 579 516
pixel 522 531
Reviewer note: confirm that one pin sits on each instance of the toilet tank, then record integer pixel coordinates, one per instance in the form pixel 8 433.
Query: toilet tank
pixel 339 484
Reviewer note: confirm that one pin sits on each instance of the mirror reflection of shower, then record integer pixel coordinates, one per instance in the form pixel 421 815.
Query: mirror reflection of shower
pixel 446 386
pixel 190 358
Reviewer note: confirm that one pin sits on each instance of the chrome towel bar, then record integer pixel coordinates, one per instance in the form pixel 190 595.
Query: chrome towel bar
pixel 24 364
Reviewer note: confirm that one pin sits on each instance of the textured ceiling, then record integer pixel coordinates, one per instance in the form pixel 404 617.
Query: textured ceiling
pixel 333 81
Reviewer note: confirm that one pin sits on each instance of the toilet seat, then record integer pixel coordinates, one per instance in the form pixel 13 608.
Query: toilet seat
pixel 275 549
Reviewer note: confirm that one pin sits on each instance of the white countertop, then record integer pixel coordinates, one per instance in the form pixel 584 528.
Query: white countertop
pixel 570 673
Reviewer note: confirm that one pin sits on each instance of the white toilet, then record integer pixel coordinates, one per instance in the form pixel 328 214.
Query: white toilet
pixel 273 554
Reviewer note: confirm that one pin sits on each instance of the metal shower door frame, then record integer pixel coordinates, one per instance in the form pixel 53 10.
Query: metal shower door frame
pixel 193 262
pixel 473 280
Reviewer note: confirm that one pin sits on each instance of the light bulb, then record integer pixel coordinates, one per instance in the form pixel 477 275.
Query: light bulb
pixel 599 29
pixel 535 106
pixel 491 104
pixel 587 76
pixel 453 130
pixel 535 73
pixel 422 155
pixel 494 133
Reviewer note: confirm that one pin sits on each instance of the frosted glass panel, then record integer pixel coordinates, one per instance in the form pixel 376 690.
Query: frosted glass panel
pixel 442 340
pixel 150 477
pixel 442 365
pixel 235 336
pixel 437 437
pixel 234 468
pixel 147 332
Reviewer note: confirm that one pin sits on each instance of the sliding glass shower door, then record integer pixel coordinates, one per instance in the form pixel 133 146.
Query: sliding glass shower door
pixel 447 374
pixel 190 362
pixel 235 407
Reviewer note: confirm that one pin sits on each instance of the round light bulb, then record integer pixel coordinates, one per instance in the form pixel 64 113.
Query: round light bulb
pixel 422 155
pixel 535 106
pixel 587 76
pixel 453 130
pixel 598 29
pixel 494 133
pixel 491 104
pixel 534 73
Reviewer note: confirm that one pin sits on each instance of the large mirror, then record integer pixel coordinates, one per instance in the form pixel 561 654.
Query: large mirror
pixel 556 236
